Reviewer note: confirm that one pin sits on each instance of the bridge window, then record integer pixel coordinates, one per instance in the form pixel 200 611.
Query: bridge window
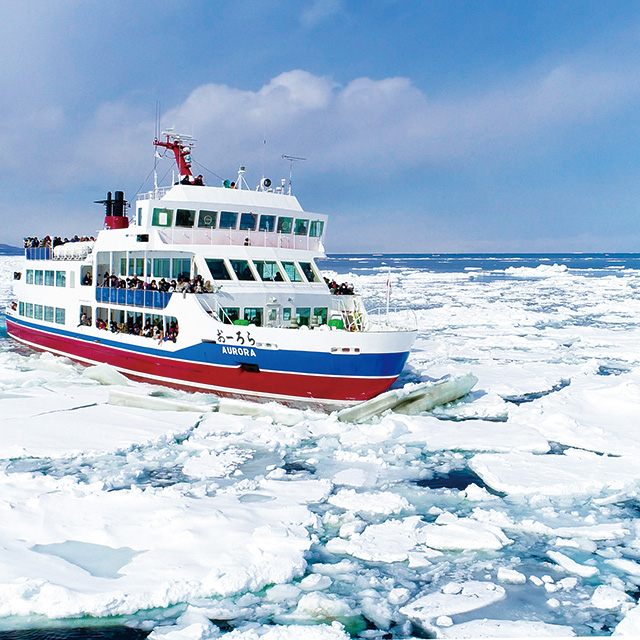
pixel 242 270
pixel 285 225
pixel 185 217
pixel 268 271
pixel 321 314
pixel 253 315
pixel 230 314
pixel 207 219
pixel 292 272
pixel 248 221
pixel 267 223
pixel 316 228
pixel 308 271
pixel 218 269
pixel 162 217
pixel 302 227
pixel 228 220
pixel 303 314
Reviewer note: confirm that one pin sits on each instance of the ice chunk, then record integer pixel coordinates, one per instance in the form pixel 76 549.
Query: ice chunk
pixel 506 629
pixel 609 598
pixel 375 502
pixel 511 576
pixel 333 631
pixel 449 601
pixel 571 566
pixel 105 374
pixel 127 399
pixel 522 473
pixel 411 400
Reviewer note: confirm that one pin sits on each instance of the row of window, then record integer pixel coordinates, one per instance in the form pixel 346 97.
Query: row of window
pixel 204 219
pixel 264 270
pixel 46 277
pixel 41 312
pixel 255 315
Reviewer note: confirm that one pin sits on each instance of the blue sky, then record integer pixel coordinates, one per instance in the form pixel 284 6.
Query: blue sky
pixel 427 126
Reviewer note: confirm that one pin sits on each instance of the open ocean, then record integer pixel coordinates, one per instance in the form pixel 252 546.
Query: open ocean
pixel 513 512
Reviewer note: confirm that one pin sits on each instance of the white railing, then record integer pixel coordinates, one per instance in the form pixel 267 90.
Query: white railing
pixel 156 194
pixel 238 237
pixel 391 319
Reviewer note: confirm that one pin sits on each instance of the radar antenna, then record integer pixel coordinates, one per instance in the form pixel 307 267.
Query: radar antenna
pixel 291 160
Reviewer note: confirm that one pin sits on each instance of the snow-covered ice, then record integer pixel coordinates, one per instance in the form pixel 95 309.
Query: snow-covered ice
pixel 511 512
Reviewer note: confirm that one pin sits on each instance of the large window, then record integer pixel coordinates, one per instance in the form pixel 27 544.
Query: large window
pixel 285 225
pixel 60 315
pixel 218 269
pixel 268 271
pixel 185 218
pixel 48 314
pixel 61 278
pixel 136 266
pixel 316 228
pixel 308 271
pixel 248 221
pixel 230 314
pixel 207 219
pixel 267 223
pixel 302 227
pixel 37 311
pixel 28 310
pixel 161 268
pixel 29 276
pixel 253 315
pixel 242 270
pixel 162 217
pixel 181 267
pixel 37 277
pixel 292 272
pixel 228 220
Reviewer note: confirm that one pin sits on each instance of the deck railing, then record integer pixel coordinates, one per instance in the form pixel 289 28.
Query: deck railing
pixel 133 297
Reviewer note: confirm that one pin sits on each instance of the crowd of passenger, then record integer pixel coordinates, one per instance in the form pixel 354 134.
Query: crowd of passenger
pixel 181 284
pixel 48 241
pixel 344 289
pixel 150 329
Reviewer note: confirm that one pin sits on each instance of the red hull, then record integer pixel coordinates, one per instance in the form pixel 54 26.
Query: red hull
pixel 201 376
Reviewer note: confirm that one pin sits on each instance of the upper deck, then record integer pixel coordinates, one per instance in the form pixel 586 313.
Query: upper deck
pixel 200 215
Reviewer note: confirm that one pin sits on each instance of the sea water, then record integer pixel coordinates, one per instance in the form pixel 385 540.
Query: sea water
pixel 510 512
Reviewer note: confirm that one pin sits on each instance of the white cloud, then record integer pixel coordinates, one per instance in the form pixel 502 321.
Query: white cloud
pixel 368 125
pixel 319 11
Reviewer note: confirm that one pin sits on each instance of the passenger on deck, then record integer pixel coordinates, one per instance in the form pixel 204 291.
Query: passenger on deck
pixel 199 181
pixel 186 180
pixel 87 281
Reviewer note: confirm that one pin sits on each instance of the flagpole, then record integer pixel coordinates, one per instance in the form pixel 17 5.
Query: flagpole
pixel 388 291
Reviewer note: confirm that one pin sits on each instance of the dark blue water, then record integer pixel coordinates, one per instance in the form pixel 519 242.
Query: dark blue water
pixel 460 262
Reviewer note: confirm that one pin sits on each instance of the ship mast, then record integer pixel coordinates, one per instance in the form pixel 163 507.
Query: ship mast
pixel 181 146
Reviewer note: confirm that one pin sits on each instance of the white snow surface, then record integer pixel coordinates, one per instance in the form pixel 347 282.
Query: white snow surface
pixel 512 512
